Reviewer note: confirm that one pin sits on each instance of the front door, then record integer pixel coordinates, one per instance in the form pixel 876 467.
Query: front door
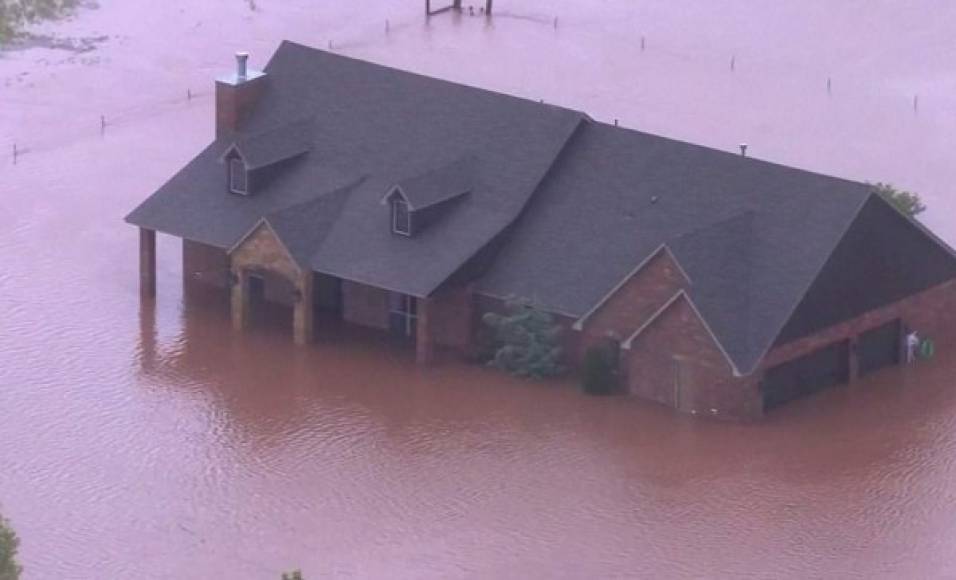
pixel 257 289
pixel 403 315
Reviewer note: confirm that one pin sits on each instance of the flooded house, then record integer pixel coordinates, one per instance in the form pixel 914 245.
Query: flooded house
pixel 380 198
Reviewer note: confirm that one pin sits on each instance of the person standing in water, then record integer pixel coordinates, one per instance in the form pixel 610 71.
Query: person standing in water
pixel 912 346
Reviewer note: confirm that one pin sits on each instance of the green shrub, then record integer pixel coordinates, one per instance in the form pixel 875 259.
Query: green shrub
pixel 906 202
pixel 599 370
pixel 527 341
pixel 9 569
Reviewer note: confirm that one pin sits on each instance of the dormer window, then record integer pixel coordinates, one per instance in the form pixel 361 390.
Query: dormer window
pixel 238 177
pixel 401 217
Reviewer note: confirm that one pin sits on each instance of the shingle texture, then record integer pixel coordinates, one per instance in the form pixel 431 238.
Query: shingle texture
pixel 439 184
pixel 282 143
pixel 572 205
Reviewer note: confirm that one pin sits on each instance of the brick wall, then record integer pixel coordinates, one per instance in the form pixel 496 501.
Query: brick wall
pixel 205 265
pixel 931 313
pixel 676 362
pixel 365 305
pixel 676 347
pixel 632 304
pixel 452 312
pixel 233 105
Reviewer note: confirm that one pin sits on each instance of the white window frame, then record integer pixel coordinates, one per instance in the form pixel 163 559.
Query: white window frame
pixel 234 164
pixel 408 217
pixel 405 307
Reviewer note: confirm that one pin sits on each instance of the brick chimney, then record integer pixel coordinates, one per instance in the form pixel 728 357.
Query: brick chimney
pixel 236 95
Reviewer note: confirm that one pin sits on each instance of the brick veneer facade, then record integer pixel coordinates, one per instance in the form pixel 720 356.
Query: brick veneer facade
pixel 204 265
pixel 365 305
pixel 674 360
pixel 633 303
pixel 676 349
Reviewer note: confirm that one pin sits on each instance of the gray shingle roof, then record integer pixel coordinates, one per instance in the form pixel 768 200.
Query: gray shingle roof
pixel 751 235
pixel 591 201
pixel 268 147
pixel 304 226
pixel 439 184
pixel 385 125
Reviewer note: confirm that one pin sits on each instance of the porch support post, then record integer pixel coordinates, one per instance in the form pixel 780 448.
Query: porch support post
pixel 240 298
pixel 424 342
pixel 303 321
pixel 147 263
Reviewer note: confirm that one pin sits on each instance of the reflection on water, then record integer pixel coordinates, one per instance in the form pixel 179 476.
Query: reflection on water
pixel 151 441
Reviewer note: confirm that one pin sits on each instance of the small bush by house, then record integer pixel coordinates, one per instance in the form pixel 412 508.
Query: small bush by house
pixel 527 341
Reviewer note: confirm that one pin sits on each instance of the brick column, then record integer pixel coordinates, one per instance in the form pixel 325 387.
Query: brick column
pixel 147 263
pixel 424 342
pixel 240 299
pixel 303 317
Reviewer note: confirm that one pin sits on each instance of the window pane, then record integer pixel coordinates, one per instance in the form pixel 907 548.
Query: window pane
pixel 237 176
pixel 400 217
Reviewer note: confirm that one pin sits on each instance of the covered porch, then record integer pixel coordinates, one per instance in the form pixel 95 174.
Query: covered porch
pixel 263 280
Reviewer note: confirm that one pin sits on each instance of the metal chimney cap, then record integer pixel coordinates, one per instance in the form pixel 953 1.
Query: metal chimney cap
pixel 242 65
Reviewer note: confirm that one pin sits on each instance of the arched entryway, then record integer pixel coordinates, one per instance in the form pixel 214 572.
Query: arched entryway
pixel 262 271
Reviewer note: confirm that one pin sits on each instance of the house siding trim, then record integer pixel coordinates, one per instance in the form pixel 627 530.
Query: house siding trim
pixel 579 323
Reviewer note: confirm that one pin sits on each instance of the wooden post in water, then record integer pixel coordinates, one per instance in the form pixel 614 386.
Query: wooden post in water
pixel 302 317
pixel 147 263
pixel 488 4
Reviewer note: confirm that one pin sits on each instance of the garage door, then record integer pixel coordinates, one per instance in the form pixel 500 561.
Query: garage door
pixel 880 348
pixel 804 376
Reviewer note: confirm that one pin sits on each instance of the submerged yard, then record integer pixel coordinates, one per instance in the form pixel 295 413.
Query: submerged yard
pixel 153 442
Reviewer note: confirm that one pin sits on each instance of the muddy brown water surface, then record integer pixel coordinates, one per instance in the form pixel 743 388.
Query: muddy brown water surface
pixel 153 442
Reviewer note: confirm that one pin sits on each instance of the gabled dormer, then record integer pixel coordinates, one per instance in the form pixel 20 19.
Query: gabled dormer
pixel 401 213
pixel 418 201
pixel 237 173
pixel 252 160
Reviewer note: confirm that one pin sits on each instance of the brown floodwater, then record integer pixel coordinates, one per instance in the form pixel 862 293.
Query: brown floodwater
pixel 153 442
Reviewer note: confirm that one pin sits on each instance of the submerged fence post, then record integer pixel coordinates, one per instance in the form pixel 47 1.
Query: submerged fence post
pixel 15 153
pixel 829 86
pixel 102 124
pixel 643 43
pixel 733 62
